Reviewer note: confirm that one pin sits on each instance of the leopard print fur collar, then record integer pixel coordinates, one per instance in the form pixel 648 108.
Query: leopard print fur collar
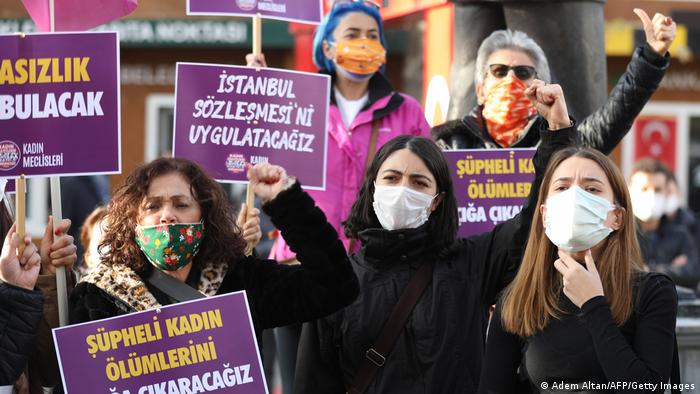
pixel 122 283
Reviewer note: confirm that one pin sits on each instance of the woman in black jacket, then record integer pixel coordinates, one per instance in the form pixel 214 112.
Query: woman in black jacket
pixel 508 61
pixel 582 315
pixel 406 216
pixel 206 250
pixel 20 304
pixel 28 308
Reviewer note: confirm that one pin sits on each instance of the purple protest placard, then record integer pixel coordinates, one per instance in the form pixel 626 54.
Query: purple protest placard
pixel 200 346
pixel 227 117
pixel 490 185
pixel 304 11
pixel 59 104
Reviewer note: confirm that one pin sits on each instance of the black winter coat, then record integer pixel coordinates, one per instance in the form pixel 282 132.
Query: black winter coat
pixel 442 344
pixel 20 313
pixel 663 245
pixel 278 295
pixel 602 130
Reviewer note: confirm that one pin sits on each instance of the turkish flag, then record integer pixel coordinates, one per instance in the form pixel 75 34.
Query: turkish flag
pixel 655 138
pixel 77 15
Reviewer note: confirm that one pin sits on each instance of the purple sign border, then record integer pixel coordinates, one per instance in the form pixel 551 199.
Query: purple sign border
pixel 250 321
pixel 119 105
pixel 325 132
pixel 263 16
pixel 455 184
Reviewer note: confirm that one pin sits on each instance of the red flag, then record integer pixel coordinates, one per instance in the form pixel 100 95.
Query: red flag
pixel 77 15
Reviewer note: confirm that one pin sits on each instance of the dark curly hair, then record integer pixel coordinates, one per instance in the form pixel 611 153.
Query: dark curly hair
pixel 222 243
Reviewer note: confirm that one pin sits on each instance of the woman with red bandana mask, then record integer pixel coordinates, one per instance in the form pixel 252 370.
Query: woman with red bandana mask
pixel 509 61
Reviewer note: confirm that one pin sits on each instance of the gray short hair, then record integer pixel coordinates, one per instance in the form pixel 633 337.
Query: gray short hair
pixel 510 39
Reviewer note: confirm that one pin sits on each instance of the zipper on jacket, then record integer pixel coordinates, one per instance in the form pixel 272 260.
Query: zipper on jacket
pixel 413 349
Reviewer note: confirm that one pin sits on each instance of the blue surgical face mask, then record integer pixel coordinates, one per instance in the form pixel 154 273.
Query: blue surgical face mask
pixel 575 219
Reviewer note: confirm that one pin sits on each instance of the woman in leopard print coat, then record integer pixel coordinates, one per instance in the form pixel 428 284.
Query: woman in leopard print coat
pixel 170 191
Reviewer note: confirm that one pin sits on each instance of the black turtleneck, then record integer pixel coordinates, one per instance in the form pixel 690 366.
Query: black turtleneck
pixel 585 345
pixel 383 247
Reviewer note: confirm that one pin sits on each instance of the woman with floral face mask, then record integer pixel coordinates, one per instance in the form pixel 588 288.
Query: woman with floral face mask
pixel 582 312
pixel 171 218
pixel 349 45
pixel 406 218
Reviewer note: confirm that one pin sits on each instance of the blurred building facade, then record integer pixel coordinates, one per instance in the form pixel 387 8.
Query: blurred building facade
pixel 421 44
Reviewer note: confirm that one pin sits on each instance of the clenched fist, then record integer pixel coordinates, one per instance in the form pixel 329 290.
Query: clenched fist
pixel 549 102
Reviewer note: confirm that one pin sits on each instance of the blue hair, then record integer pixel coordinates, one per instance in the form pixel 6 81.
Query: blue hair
pixel 324 32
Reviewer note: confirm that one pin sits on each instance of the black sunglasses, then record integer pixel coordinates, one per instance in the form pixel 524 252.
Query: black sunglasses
pixel 523 73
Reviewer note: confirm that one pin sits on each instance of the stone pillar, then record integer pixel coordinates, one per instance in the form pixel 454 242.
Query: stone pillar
pixel 571 33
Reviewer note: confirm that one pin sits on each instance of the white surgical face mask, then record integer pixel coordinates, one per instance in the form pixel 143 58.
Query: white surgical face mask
pixel 648 205
pixel 672 204
pixel 575 219
pixel 399 207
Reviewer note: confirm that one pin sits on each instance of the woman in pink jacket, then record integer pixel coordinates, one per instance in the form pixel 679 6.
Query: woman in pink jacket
pixel 349 46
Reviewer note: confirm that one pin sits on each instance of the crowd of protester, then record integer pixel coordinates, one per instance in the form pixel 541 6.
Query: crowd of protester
pixel 583 279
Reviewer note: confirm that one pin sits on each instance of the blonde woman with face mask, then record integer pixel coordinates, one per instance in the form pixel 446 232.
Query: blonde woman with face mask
pixel 406 219
pixel 582 313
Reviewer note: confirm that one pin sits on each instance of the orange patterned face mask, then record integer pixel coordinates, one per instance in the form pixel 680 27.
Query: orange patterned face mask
pixel 360 55
pixel 507 110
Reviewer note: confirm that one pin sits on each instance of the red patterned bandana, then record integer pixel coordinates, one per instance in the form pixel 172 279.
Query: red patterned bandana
pixel 507 110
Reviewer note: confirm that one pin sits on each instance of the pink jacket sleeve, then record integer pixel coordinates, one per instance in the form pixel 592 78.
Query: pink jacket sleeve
pixel 419 126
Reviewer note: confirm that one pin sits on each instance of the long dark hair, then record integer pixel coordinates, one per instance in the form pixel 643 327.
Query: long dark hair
pixel 222 241
pixel 442 223
pixel 5 221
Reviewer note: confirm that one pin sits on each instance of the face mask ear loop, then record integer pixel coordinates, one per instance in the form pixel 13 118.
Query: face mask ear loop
pixel 623 211
pixel 430 206
pixel 331 44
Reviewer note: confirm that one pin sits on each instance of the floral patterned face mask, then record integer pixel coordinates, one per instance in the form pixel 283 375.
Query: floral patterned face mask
pixel 170 247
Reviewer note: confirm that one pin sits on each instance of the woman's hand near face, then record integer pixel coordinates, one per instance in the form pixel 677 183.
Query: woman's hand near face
pixel 580 284
pixel 253 60
pixel 249 222
pixel 549 102
pixel 58 250
pixel 660 31
pixel 19 271
pixel 267 180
